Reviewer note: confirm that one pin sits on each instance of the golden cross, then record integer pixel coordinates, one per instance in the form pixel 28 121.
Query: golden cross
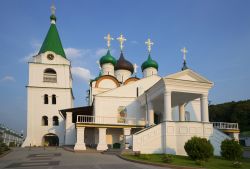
pixel 121 39
pixel 149 43
pixel 109 39
pixel 53 9
pixel 184 51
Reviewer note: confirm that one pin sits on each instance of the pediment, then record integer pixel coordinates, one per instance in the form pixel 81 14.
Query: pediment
pixel 188 75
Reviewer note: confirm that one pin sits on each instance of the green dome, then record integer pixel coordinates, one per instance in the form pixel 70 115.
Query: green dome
pixel 108 58
pixel 149 63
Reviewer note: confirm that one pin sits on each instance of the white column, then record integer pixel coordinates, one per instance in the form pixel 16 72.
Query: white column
pixel 182 112
pixel 80 144
pixel 167 115
pixel 102 144
pixel 204 108
pixel 70 130
pixel 126 133
pixel 150 114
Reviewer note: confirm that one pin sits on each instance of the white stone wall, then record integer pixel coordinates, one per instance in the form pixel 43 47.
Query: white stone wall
pixel 36 90
pixel 108 69
pixel 149 72
pixel 170 137
pixel 122 75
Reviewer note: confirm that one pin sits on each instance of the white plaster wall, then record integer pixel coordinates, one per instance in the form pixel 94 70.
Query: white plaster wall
pixel 216 140
pixel 35 98
pixel 122 75
pixel 149 72
pixel 107 84
pixel 108 69
pixel 170 137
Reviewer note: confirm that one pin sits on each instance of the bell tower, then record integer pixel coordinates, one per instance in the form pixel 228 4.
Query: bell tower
pixel 49 90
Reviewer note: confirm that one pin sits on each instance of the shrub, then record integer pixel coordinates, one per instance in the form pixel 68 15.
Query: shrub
pixel 167 158
pixel 231 150
pixel 199 148
pixel 12 144
pixel 116 145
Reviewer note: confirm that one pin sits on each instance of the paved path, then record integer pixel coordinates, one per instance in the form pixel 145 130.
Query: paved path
pixel 51 158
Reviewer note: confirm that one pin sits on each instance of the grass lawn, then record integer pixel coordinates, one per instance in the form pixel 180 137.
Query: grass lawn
pixel 213 163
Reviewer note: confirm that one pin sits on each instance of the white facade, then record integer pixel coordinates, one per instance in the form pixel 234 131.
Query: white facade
pixel 108 69
pixel 149 71
pixel 54 88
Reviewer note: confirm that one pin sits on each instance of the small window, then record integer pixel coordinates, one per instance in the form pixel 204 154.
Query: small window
pixel 46 99
pixel 44 121
pixel 53 99
pixel 49 75
pixel 55 121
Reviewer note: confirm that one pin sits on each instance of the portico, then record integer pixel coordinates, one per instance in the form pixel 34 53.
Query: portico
pixel 175 95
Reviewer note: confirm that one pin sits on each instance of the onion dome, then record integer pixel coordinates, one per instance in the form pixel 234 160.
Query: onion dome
pixel 108 58
pixel 149 63
pixel 122 63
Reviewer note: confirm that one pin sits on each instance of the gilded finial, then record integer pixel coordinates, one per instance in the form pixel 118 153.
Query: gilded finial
pixel 121 39
pixel 149 43
pixel 108 38
pixel 184 51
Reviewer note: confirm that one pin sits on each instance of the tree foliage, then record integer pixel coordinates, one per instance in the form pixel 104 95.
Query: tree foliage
pixel 235 112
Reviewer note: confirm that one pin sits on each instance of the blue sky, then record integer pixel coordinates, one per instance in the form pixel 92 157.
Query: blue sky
pixel 216 34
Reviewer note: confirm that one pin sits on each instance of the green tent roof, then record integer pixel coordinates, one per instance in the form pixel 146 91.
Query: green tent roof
pixel 52 42
pixel 149 63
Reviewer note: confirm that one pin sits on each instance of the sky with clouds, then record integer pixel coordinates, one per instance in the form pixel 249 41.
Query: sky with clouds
pixel 216 34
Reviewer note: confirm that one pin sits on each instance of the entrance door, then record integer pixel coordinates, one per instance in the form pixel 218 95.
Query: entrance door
pixel 50 140
pixel 156 118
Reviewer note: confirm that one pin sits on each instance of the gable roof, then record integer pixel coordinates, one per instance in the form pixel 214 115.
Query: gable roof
pixel 52 42
pixel 188 75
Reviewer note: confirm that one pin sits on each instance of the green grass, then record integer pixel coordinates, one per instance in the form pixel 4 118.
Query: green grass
pixel 213 163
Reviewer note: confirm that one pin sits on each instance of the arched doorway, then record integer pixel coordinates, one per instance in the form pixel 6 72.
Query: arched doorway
pixel 50 139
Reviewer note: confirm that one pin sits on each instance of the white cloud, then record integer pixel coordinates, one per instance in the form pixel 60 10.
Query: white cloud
pixel 100 52
pixel 73 53
pixel 8 79
pixel 28 57
pixel 81 73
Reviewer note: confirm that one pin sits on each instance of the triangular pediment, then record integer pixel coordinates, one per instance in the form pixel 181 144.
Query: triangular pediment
pixel 188 75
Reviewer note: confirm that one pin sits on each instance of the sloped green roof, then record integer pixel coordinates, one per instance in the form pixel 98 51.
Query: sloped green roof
pixel 108 58
pixel 52 42
pixel 149 63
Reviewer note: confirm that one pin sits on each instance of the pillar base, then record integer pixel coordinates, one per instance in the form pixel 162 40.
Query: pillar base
pixel 102 147
pixel 80 146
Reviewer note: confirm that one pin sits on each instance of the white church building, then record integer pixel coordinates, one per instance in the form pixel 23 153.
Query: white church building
pixel 151 114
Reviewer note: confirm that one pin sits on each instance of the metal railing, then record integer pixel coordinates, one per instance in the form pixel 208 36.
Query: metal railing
pixel 109 120
pixel 226 126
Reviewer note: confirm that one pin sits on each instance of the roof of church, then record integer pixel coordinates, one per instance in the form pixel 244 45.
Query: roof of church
pixel 149 63
pixel 108 58
pixel 122 63
pixel 52 41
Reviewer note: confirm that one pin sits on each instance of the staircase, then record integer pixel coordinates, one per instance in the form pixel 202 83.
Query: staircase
pixel 216 139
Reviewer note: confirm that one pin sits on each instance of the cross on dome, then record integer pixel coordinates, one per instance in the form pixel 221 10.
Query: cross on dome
pixel 121 39
pixel 53 9
pixel 184 51
pixel 108 38
pixel 135 68
pixel 149 43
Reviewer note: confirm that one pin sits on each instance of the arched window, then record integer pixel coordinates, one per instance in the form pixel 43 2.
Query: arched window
pixel 46 99
pixel 49 75
pixel 45 121
pixel 55 121
pixel 53 99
